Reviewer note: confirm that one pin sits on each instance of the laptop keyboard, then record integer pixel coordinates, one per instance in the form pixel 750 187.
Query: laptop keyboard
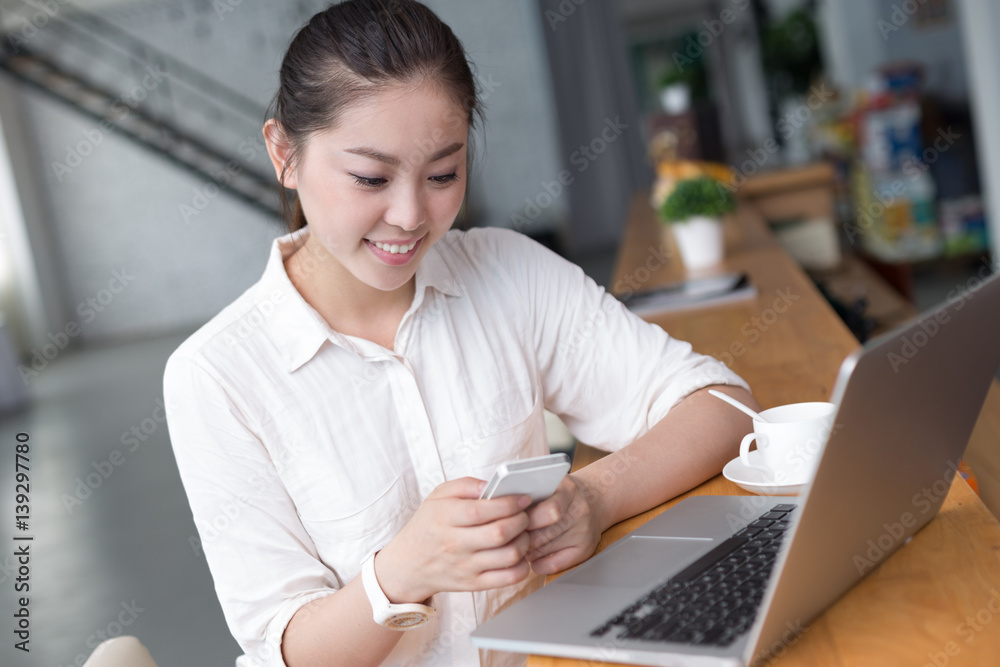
pixel 715 599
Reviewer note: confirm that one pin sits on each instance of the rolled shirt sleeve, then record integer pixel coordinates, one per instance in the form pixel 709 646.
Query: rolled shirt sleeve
pixel 609 374
pixel 264 564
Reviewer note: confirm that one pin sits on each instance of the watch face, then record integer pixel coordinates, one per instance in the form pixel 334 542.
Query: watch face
pixel 407 620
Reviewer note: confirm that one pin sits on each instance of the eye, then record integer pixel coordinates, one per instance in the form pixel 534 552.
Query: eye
pixel 445 179
pixel 367 182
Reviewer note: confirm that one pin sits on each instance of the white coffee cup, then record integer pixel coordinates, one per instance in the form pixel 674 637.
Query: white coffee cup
pixel 790 441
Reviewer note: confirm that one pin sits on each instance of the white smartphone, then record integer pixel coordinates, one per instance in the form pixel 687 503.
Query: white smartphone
pixel 537 477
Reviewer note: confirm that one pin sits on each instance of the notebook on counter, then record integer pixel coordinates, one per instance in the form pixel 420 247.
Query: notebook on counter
pixel 691 294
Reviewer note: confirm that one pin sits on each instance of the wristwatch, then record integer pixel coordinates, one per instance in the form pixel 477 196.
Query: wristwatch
pixel 392 616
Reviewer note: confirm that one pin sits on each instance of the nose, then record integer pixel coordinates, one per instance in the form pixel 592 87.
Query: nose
pixel 407 210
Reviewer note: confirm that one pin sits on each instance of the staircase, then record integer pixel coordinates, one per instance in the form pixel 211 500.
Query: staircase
pixel 89 64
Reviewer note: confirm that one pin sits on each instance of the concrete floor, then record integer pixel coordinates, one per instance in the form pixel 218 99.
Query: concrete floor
pixel 112 552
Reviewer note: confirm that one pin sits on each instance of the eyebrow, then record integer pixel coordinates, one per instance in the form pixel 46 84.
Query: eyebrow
pixel 395 161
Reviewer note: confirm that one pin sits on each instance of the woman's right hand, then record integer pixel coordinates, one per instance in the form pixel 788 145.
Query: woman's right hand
pixel 456 542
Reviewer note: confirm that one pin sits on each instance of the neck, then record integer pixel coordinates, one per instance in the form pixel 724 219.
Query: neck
pixel 347 304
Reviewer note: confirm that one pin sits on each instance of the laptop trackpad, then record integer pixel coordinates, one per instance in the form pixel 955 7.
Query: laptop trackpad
pixel 639 560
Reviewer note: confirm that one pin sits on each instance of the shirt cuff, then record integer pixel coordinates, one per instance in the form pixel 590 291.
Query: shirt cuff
pixel 717 374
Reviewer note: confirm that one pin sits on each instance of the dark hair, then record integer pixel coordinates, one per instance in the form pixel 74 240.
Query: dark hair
pixel 351 50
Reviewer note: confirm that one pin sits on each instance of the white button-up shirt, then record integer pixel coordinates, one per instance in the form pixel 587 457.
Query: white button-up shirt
pixel 302 450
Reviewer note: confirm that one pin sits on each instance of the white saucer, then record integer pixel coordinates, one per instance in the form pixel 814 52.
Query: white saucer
pixel 757 481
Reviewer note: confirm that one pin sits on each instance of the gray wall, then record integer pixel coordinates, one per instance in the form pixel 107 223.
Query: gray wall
pixel 860 35
pixel 120 208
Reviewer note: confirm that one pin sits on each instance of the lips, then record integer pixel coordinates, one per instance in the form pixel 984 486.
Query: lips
pixel 395 252
pixel 395 247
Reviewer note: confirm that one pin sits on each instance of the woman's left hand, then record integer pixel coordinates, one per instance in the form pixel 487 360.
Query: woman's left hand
pixel 564 529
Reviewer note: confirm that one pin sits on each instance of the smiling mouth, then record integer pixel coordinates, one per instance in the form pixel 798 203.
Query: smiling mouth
pixel 395 249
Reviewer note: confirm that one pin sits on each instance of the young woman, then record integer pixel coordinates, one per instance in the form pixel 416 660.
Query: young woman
pixel 334 426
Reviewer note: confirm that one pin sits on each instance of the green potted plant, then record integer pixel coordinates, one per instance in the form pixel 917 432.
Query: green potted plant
pixel 683 82
pixel 693 213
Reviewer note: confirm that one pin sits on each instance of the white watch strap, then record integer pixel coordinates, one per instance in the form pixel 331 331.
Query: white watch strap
pixel 375 593
pixel 393 616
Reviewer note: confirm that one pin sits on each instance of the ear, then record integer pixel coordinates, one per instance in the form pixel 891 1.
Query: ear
pixel 279 150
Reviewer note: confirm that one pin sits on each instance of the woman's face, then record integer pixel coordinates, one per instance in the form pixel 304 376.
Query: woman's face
pixel 386 183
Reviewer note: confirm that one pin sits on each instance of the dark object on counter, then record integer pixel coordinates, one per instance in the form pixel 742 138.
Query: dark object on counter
pixel 853 314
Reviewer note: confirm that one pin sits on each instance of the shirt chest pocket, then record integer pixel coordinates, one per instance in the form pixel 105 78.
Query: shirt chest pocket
pixel 352 527
pixel 480 455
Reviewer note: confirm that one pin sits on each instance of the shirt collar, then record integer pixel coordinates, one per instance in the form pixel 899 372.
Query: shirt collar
pixel 297 329
pixel 435 271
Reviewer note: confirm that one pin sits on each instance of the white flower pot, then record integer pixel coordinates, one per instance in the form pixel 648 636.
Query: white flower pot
pixel 676 98
pixel 700 241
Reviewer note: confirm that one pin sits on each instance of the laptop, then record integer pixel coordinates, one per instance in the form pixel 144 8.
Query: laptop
pixel 733 580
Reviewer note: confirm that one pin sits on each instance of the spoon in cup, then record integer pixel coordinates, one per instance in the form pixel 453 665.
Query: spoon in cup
pixel 736 404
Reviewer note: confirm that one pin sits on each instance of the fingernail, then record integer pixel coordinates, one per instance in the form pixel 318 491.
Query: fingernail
pixel 524 501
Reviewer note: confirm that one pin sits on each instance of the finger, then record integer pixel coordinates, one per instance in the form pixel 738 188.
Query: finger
pixel 559 560
pixel 541 537
pixel 552 509
pixel 481 512
pixel 463 487
pixel 506 556
pixel 503 577
pixel 573 526
pixel 497 533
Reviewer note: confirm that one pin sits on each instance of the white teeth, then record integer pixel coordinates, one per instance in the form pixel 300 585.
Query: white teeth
pixel 395 249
